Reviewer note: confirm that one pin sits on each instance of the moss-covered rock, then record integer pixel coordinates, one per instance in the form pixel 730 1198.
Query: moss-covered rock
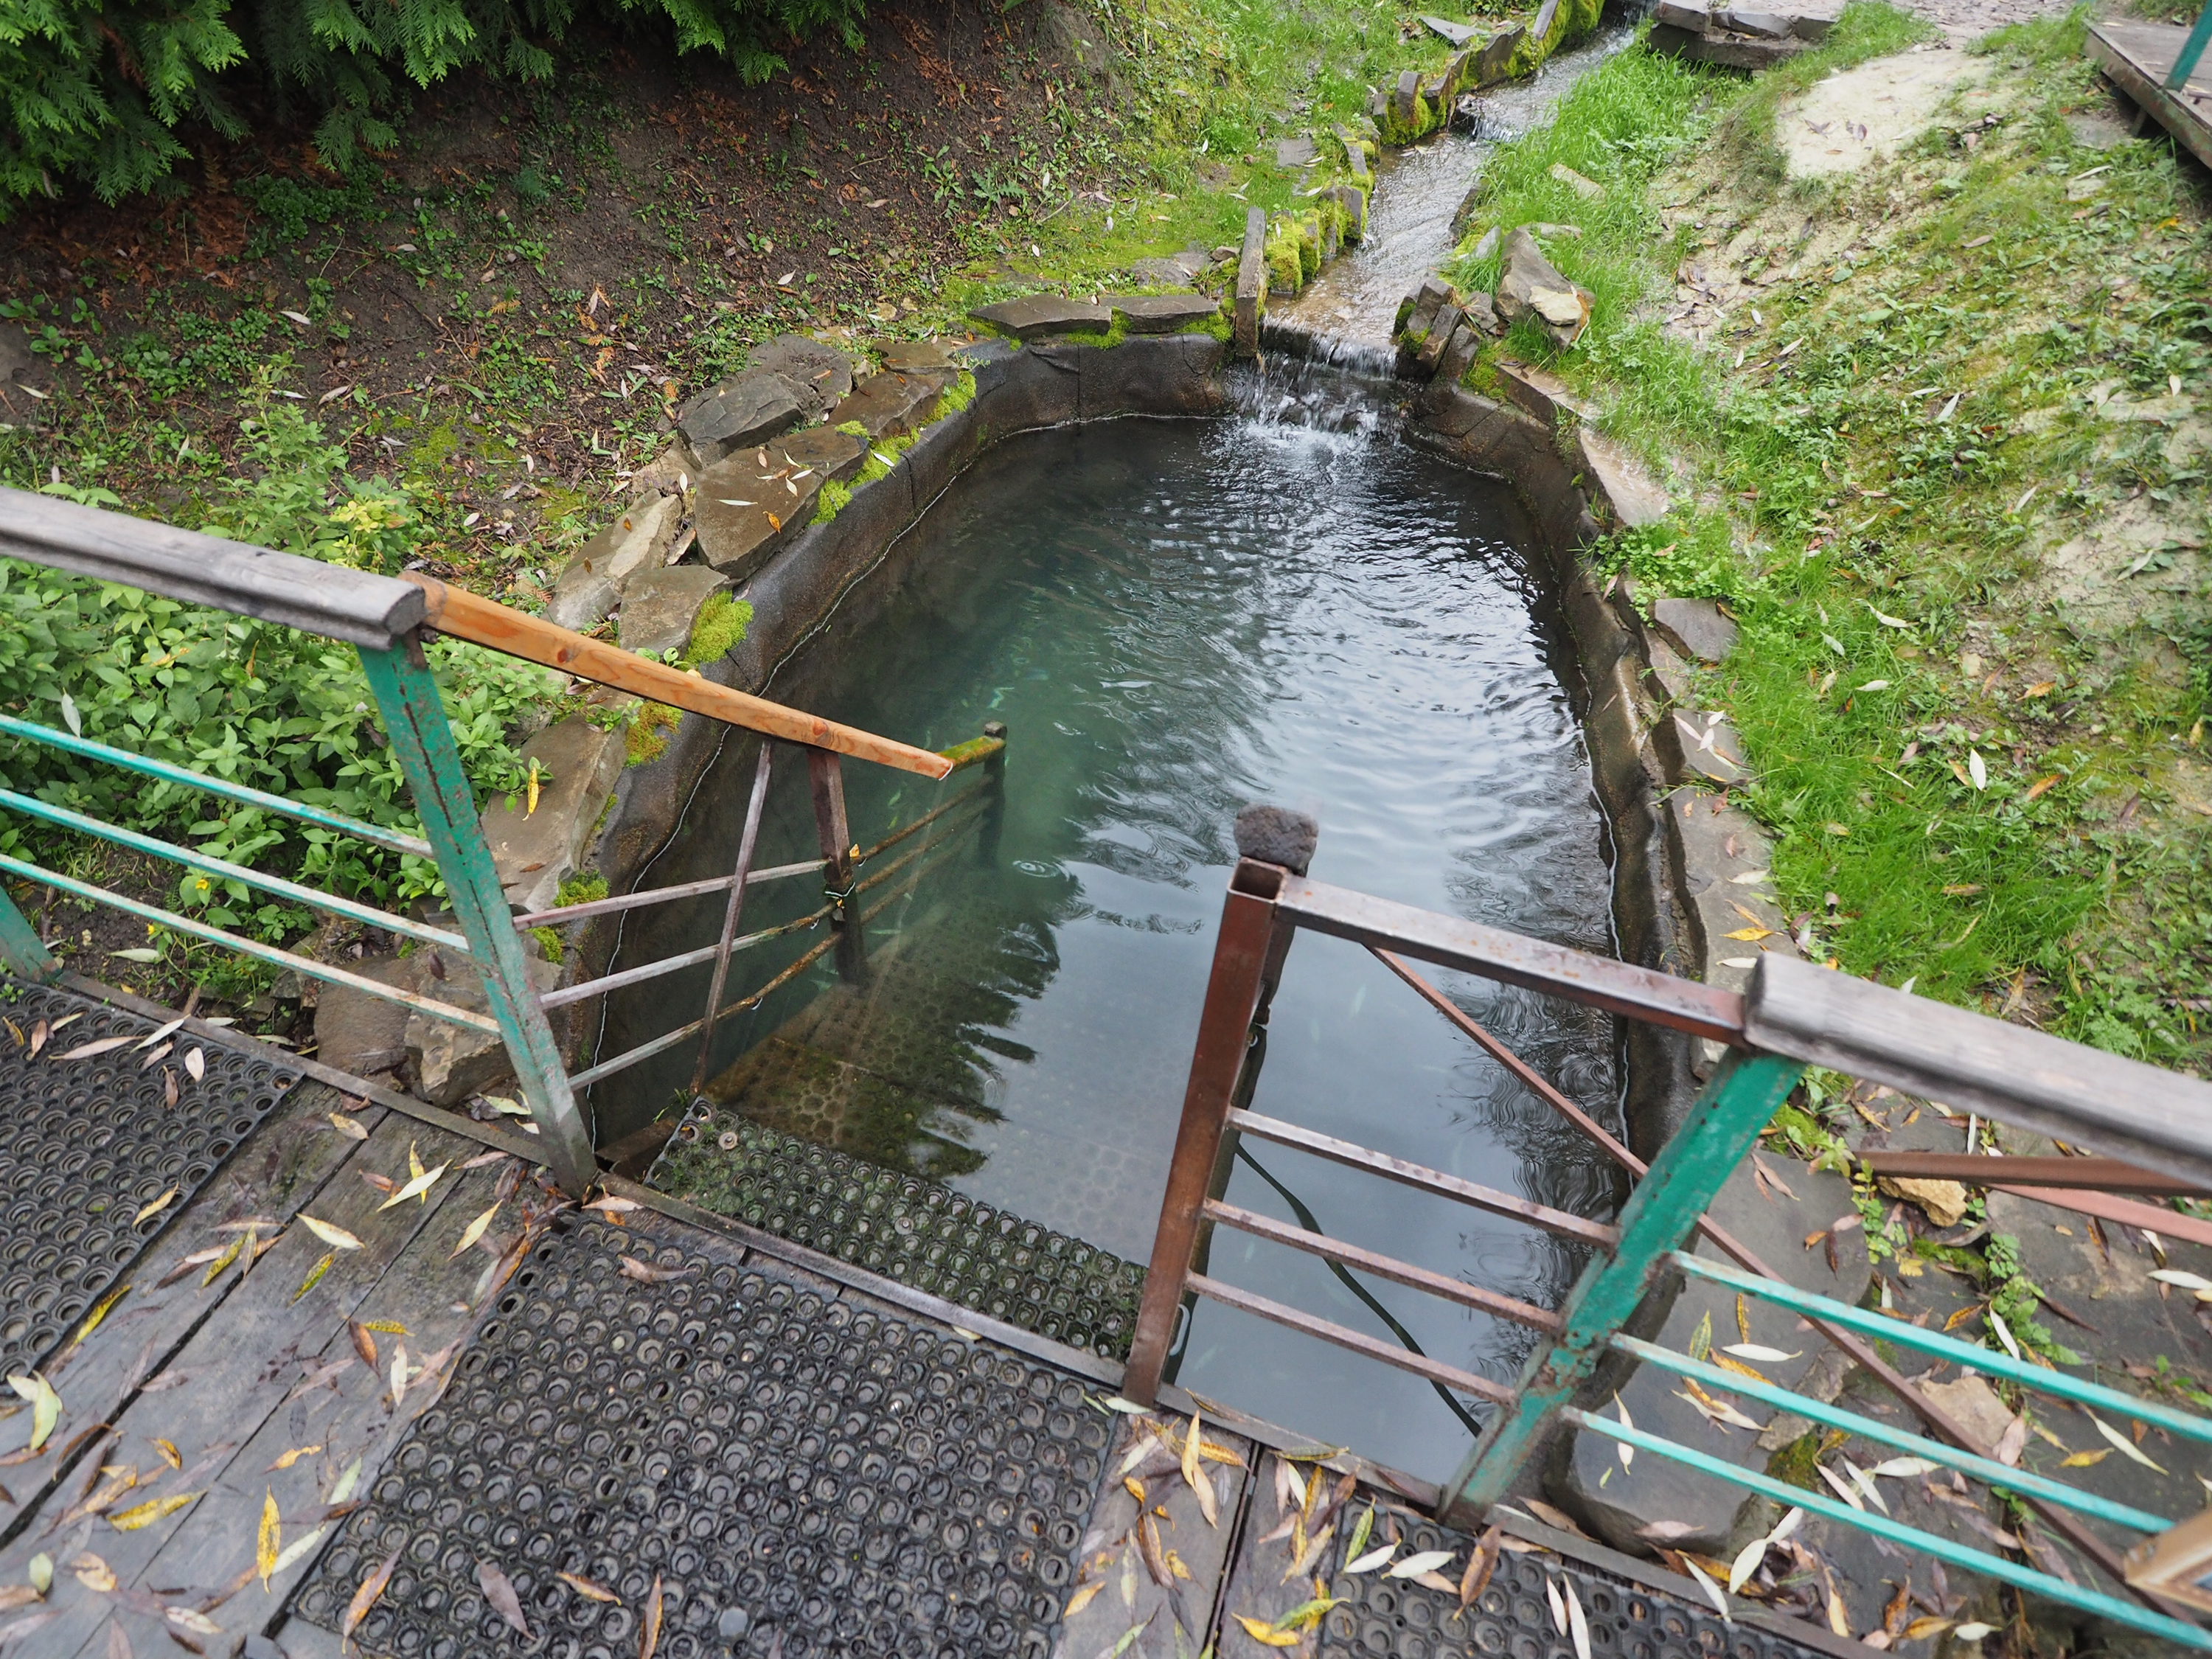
pixel 719 627
pixel 1286 272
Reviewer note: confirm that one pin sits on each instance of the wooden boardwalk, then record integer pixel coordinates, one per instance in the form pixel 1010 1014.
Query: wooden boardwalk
pixel 2138 57
pixel 637 1431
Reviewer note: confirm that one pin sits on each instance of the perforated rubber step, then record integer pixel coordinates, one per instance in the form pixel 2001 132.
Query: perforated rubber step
pixel 913 1231
pixel 806 1471
pixel 87 1143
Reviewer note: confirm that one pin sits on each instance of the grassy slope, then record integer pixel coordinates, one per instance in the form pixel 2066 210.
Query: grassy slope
pixel 1891 580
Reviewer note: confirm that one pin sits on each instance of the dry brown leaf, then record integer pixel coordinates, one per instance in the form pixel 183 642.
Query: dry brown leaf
pixel 648 1637
pixel 501 1595
pixel 363 1343
pixel 1085 1595
pixel 365 1597
pixel 645 1273
pixel 589 1590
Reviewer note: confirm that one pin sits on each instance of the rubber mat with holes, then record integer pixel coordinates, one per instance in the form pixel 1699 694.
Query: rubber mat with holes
pixel 802 1472
pixel 1385 1618
pixel 913 1231
pixel 88 1143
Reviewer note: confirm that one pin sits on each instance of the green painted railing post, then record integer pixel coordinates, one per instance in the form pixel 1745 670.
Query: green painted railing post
pixel 415 720
pixel 1680 1184
pixel 19 947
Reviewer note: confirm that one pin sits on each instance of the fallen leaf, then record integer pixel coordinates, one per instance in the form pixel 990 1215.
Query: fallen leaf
pixel 196 1063
pixel 1373 1559
pixel 315 1274
pixel 94 1574
pixel 418 1187
pixel 169 1453
pixel 99 1310
pixel 608 1204
pixel 153 1509
pixel 1751 935
pixel 1427 1561
pixel 155 1208
pixel 336 1237
pixel 86 1050
pixel 46 1406
pixel 2083 1460
pixel 502 1596
pixel 587 1588
pixel 365 1598
pixel 269 1542
pixel 1265 1634
pixel 349 1127
pixel 288 1459
pixel 2125 1445
pixel 1754 1351
pixel 41 1571
pixel 649 1632
pixel 470 1235
pixel 633 1268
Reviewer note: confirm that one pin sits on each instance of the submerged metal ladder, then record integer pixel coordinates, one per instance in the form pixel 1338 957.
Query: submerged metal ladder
pixel 1793 1016
pixel 386 619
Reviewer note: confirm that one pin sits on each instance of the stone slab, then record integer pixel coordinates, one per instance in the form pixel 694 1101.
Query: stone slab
pixel 1293 153
pixel 744 409
pixel 1431 349
pixel 896 401
pixel 1763 21
pixel 1695 627
pixel 1251 283
pixel 747 506
pixel 1163 313
pixel 535 852
pixel 1042 316
pixel 593 584
pixel 1635 497
pixel 824 449
pixel 1711 748
pixel 1423 304
pixel 1811 20
pixel 821 374
pixel 1741 52
pixel 1458 34
pixel 1541 393
pixel 361 1035
pixel 915 356
pixel 1695 16
pixel 659 613
pixel 1530 285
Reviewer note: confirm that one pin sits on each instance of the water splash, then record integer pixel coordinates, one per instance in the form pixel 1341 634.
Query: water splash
pixel 1317 383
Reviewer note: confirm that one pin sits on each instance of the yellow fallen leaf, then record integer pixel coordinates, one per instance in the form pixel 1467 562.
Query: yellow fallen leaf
pixel 270 1540
pixel 220 1262
pixel 2082 1460
pixel 315 1274
pixel 145 1514
pixel 475 1230
pixel 294 1456
pixel 100 1311
pixel 336 1237
pixel 349 1127
pixel 1083 1597
pixel 94 1574
pixel 418 1187
pixel 1751 935
pixel 155 1208
pixel 45 1405
pixel 169 1453
pixel 1266 1635
pixel 587 1588
pixel 2040 785
pixel 365 1597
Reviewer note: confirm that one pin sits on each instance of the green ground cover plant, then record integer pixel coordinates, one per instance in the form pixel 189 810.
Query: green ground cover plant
pixel 1981 782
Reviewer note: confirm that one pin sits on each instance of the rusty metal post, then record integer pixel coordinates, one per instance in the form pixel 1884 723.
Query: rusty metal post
pixel 730 915
pixel 839 861
pixel 1247 963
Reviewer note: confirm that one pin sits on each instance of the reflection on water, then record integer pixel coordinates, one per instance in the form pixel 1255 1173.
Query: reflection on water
pixel 1176 619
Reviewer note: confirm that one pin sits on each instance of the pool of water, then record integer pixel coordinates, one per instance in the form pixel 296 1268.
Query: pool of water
pixel 1176 619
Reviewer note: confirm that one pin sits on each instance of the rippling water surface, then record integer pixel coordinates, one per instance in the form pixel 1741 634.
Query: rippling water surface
pixel 1176 619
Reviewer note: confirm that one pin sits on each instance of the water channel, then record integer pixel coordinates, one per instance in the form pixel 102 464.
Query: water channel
pixel 1174 619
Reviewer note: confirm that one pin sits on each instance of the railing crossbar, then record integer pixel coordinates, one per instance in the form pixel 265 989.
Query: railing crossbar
pixel 1344 1337
pixel 146 766
pixel 368 915
pixel 1966 1355
pixel 270 953
pixel 1896 1532
pixel 563 914
pixel 1581 1229
pixel 2003 1476
pixel 1382 1266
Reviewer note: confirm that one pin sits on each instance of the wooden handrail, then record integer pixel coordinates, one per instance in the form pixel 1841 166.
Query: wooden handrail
pixel 464 615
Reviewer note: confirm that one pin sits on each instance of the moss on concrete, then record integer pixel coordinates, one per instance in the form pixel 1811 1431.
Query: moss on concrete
pixel 646 740
pixel 720 624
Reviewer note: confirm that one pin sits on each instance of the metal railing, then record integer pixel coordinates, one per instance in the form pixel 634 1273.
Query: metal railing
pixel 387 620
pixel 1794 1015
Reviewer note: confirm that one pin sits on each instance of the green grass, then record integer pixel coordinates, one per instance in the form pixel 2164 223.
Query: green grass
pixel 1874 554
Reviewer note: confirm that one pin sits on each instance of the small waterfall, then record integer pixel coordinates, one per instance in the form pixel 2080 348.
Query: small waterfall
pixel 1322 383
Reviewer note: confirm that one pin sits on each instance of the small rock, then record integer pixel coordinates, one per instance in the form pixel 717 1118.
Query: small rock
pixel 1758 20
pixel 1730 51
pixel 595 577
pixel 1251 283
pixel 1224 254
pixel 451 1062
pixel 1945 1201
pixel 1588 189
pixel 1529 285
pixel 1692 15
pixel 1163 313
pixel 1811 20
pixel 1041 316
pixel 535 852
pixel 362 1035
pixel 1292 154
pixel 1466 340
pixel 1486 246
pixel 820 374
pixel 1695 628
pixel 1162 273
pixel 885 404
pixel 659 613
pixel 754 405
pixel 1431 352
pixel 1423 304
pixel 1478 312
pixel 1975 1404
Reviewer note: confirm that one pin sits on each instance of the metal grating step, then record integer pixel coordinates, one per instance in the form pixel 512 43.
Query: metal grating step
pixel 909 1230
pixel 808 1472
pixel 87 1143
